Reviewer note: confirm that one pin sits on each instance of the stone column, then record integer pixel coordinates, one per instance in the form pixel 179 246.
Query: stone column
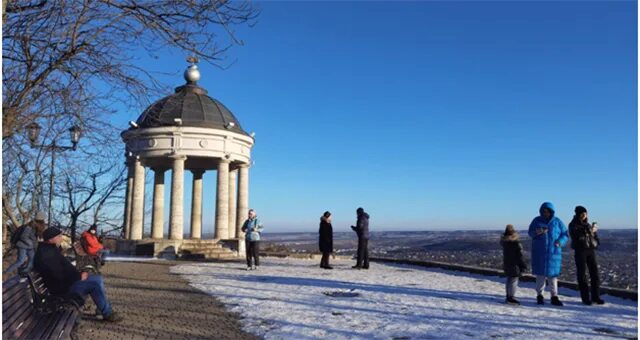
pixel 243 198
pixel 128 200
pixel 157 217
pixel 196 204
pixel 222 201
pixel 137 205
pixel 233 175
pixel 176 219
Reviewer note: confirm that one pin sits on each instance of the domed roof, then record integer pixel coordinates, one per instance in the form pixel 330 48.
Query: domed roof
pixel 193 106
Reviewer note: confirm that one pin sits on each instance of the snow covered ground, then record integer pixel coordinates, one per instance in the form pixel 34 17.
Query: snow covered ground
pixel 287 299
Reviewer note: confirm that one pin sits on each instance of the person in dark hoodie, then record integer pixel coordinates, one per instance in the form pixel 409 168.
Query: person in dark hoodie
pixel 585 241
pixel 548 236
pixel 326 239
pixel 513 261
pixel 362 230
pixel 61 277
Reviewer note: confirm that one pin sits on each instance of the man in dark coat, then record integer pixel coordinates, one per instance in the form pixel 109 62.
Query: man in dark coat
pixel 26 245
pixel 325 240
pixel 362 230
pixel 62 277
pixel 584 240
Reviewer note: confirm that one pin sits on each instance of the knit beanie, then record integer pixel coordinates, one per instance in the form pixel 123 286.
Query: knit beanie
pixel 580 209
pixel 50 233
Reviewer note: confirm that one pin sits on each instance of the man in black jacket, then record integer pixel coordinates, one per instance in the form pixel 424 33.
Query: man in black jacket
pixel 584 240
pixel 362 230
pixel 61 277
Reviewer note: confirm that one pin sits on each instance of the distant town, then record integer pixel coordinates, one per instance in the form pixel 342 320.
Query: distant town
pixel 617 255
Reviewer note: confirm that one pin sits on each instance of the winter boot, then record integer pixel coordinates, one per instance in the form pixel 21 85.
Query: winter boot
pixel 540 299
pixel 113 317
pixel 512 301
pixel 586 302
pixel 599 301
pixel 556 302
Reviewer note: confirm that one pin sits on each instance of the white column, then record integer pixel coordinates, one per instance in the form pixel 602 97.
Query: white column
pixel 233 175
pixel 176 219
pixel 243 198
pixel 137 206
pixel 128 200
pixel 222 201
pixel 157 217
pixel 196 204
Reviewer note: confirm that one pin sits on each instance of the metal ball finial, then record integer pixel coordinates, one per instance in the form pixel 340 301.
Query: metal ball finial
pixel 192 75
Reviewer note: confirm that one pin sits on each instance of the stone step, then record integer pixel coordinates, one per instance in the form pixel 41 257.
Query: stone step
pixel 221 256
pixel 199 242
pixel 213 251
pixel 202 247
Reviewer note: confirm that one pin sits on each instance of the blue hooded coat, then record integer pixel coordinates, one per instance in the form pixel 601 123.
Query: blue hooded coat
pixel 546 257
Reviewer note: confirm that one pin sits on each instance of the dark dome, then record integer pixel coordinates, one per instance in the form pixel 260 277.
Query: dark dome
pixel 196 109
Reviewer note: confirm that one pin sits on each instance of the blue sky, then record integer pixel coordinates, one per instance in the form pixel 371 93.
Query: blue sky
pixel 432 115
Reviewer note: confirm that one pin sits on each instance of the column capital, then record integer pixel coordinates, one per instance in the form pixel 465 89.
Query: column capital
pixel 159 170
pixel 199 172
pixel 178 157
pixel 244 165
pixel 225 160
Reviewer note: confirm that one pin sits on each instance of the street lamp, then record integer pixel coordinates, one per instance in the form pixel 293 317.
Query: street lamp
pixel 33 130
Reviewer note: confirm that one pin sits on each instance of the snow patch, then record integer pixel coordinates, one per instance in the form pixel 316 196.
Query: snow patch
pixel 292 299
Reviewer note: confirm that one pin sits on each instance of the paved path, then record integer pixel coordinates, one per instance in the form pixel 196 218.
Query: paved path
pixel 156 304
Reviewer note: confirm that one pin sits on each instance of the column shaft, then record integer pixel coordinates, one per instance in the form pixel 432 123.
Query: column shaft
pixel 157 218
pixel 176 219
pixel 128 200
pixel 196 204
pixel 222 201
pixel 243 198
pixel 137 205
pixel 233 175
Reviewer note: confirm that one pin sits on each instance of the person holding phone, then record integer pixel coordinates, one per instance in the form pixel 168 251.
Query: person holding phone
pixel 585 241
pixel 548 235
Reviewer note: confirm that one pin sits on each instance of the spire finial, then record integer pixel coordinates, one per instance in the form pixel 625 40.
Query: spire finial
pixel 192 75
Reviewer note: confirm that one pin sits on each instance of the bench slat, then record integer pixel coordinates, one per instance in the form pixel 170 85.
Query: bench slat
pixel 15 312
pixel 20 319
pixel 44 327
pixel 61 329
pixel 68 326
pixel 10 283
pixel 17 295
pixel 25 326
pixel 23 320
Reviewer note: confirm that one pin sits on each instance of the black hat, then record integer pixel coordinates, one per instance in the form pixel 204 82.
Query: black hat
pixel 360 210
pixel 94 227
pixel 50 233
pixel 580 209
pixel 326 214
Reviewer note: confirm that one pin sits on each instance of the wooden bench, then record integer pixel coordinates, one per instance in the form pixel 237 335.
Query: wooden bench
pixel 30 312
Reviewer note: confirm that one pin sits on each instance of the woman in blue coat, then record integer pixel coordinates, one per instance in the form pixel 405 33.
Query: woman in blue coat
pixel 548 235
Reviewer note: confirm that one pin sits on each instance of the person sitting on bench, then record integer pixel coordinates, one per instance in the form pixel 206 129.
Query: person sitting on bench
pixel 92 244
pixel 61 277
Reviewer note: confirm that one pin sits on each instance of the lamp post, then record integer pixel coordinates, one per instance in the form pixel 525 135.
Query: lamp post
pixel 33 130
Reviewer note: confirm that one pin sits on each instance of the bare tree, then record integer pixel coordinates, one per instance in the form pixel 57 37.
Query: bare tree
pixel 57 50
pixel 89 194
pixel 70 62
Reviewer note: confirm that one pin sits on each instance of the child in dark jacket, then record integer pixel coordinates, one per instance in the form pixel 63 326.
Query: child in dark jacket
pixel 513 261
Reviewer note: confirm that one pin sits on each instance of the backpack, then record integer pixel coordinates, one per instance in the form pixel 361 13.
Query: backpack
pixel 17 234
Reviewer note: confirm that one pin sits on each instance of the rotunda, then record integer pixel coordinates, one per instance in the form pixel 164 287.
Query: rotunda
pixel 187 131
